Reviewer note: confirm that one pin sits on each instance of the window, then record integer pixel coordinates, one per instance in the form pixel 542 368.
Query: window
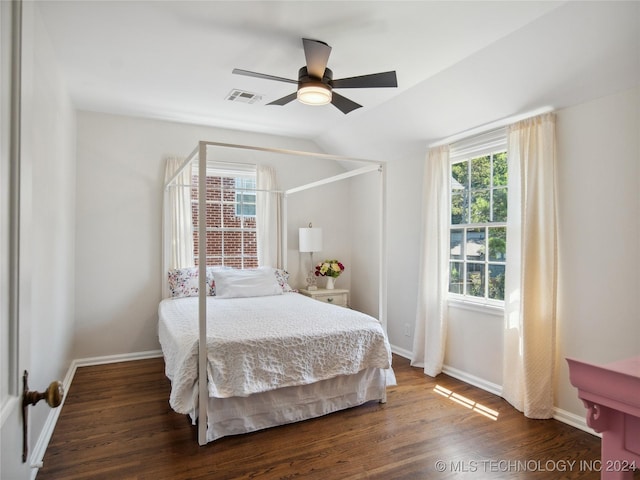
pixel 246 196
pixel 478 234
pixel 231 218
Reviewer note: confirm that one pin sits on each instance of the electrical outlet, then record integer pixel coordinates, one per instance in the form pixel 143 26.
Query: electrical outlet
pixel 407 330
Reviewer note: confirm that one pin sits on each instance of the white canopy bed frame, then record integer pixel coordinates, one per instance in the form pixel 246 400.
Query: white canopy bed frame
pixel 203 157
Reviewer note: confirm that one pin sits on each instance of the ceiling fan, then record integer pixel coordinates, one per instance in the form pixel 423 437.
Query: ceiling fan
pixel 315 81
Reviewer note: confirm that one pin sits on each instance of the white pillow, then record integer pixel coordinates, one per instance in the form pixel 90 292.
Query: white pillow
pixel 258 282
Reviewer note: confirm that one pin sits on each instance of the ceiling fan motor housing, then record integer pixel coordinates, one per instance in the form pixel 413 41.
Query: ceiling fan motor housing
pixel 304 79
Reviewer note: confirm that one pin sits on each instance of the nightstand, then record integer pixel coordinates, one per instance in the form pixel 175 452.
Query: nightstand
pixel 337 296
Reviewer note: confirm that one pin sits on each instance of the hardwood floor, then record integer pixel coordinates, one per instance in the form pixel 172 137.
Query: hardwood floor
pixel 117 424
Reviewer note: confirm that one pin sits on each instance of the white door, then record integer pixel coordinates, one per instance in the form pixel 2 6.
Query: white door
pixel 14 314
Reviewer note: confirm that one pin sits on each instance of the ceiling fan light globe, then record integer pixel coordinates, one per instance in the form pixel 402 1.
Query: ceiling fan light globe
pixel 318 94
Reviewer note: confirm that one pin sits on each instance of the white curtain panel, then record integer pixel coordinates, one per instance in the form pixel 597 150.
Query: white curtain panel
pixel 430 330
pixel 268 218
pixel 531 272
pixel 179 220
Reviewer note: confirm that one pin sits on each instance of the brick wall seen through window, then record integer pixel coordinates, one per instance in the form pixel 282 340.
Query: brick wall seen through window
pixel 231 232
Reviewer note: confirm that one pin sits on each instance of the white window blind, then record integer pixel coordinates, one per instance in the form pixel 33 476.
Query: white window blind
pixel 479 145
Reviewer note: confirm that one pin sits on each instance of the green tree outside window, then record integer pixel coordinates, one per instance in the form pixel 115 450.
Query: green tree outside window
pixel 478 239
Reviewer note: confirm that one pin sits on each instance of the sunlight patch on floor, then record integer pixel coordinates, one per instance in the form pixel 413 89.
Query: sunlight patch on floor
pixel 466 402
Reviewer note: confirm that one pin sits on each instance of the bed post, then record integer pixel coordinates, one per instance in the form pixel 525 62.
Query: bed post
pixel 165 241
pixel 203 395
pixel 382 267
pixel 284 248
pixel 382 281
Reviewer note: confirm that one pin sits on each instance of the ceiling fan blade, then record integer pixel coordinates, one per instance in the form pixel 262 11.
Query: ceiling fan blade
pixel 247 73
pixel 375 80
pixel 317 55
pixel 343 103
pixel 285 100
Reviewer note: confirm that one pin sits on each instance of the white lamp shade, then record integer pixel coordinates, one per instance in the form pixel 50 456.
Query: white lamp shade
pixel 310 239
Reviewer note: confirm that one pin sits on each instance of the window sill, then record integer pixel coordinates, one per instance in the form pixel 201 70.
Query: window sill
pixel 486 308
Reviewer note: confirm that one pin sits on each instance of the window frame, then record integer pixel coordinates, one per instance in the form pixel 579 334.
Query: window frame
pixel 487 144
pixel 243 259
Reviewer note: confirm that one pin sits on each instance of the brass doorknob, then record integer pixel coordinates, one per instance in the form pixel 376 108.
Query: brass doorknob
pixel 53 395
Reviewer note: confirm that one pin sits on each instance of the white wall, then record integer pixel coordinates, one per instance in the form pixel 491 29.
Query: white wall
pixel 120 172
pixel 599 235
pixel 53 154
pixel 52 135
pixel 474 344
pixel 364 236
pixel 404 210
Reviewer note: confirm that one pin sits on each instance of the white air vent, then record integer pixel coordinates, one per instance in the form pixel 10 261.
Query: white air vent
pixel 243 97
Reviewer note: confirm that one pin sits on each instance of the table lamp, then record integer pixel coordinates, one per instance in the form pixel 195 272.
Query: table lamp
pixel 310 240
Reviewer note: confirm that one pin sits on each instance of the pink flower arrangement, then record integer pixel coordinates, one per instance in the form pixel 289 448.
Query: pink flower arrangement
pixel 329 268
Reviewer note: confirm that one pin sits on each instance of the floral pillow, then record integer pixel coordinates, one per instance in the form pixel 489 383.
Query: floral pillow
pixel 211 283
pixel 183 282
pixel 282 276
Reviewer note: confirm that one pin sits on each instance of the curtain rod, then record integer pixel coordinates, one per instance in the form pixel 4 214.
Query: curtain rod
pixel 487 127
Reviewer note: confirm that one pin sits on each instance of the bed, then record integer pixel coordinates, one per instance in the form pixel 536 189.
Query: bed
pixel 191 328
pixel 272 359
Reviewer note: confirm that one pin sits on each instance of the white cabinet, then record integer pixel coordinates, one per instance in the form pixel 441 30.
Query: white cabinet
pixel 336 296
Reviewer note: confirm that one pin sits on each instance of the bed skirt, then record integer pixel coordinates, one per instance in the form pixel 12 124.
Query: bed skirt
pixel 237 415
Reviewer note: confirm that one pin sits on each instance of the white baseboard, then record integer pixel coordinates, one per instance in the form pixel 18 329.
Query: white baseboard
pixel 563 416
pixel 125 357
pixel 473 380
pixel 455 373
pixel 39 449
pixel 402 352
pixel 574 420
pixel 559 414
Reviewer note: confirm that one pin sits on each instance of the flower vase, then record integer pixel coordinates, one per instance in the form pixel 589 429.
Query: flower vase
pixel 331 283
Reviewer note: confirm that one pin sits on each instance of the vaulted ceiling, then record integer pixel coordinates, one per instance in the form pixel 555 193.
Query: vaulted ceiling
pixel 459 64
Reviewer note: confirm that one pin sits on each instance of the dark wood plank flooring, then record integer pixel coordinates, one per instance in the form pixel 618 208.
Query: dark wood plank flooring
pixel 117 424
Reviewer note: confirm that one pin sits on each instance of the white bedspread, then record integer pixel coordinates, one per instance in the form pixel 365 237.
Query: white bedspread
pixel 259 344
